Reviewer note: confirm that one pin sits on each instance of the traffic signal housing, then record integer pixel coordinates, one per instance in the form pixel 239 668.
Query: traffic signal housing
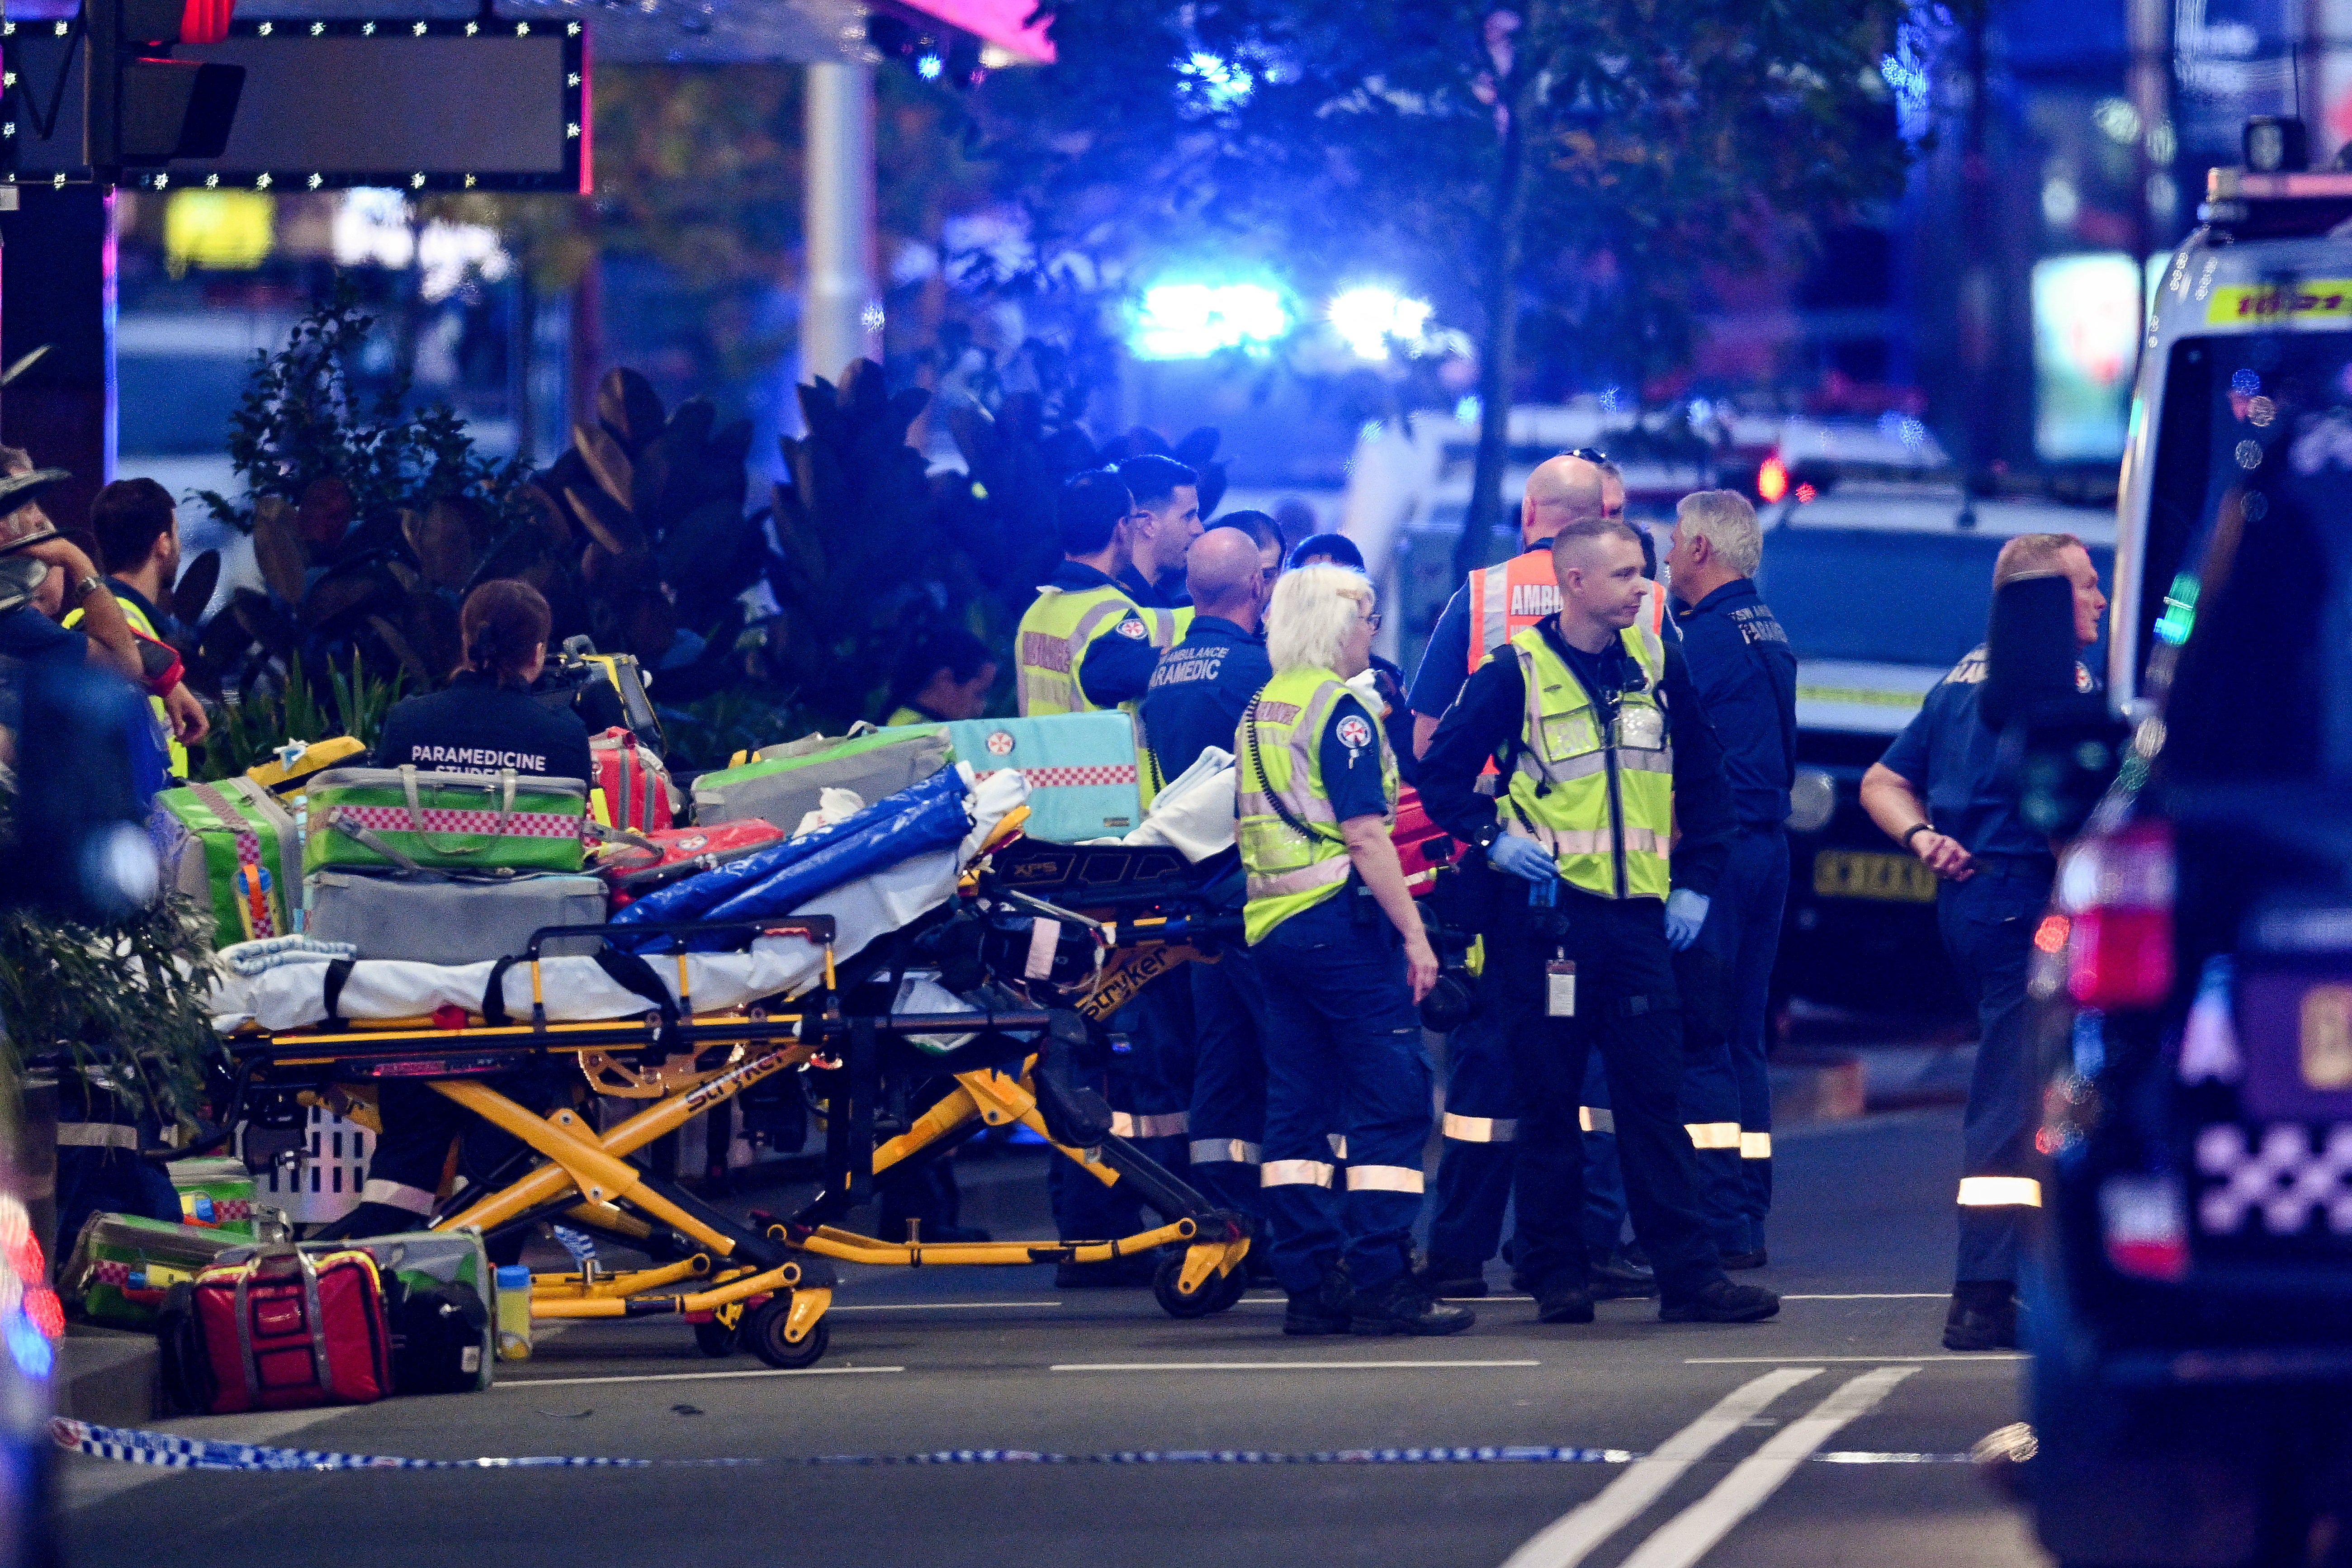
pixel 141 108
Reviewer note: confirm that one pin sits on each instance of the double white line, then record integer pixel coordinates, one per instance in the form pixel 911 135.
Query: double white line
pixel 1692 1533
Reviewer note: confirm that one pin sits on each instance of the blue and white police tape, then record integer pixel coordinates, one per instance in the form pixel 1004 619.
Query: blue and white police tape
pixel 166 1449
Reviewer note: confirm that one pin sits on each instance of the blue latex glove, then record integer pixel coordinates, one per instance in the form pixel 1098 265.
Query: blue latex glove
pixel 1521 858
pixel 1685 912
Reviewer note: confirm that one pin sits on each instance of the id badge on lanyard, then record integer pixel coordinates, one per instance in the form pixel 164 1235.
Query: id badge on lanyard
pixel 1560 987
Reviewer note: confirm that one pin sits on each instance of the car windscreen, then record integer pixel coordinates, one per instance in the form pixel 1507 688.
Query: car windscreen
pixel 1884 595
pixel 2265 686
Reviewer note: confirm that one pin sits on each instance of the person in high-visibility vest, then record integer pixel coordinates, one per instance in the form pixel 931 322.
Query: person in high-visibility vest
pixel 1943 792
pixel 945 677
pixel 1603 752
pixel 139 535
pixel 1167 496
pixel 1086 645
pixel 1347 1082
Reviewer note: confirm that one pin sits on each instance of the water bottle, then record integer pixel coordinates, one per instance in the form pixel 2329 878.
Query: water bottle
pixel 514 1312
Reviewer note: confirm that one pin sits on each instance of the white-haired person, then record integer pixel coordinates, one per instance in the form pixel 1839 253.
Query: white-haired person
pixel 1334 930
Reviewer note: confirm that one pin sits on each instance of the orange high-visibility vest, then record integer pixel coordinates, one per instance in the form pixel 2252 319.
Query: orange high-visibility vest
pixel 1505 600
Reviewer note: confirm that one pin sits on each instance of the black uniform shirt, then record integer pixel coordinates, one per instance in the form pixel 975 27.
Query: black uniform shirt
pixel 1168 594
pixel 1199 690
pixel 1948 755
pixel 1487 718
pixel 479 727
pixel 1746 676
pixel 1116 667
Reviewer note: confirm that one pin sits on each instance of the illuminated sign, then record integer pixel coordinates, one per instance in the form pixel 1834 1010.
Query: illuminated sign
pixel 2086 327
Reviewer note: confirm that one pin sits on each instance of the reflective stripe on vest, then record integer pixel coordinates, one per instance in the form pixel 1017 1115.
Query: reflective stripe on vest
pixel 1604 804
pixel 1288 871
pixel 173 750
pixel 1054 636
pixel 1508 598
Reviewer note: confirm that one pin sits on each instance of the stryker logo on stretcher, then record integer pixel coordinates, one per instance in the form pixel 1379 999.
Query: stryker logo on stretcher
pixel 474 760
pixel 1537 599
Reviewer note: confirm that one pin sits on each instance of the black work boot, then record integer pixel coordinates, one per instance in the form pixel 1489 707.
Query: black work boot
pixel 1983 1316
pixel 1564 1301
pixel 1722 1302
pixel 1450 1277
pixel 1617 1277
pixel 1322 1310
pixel 1400 1306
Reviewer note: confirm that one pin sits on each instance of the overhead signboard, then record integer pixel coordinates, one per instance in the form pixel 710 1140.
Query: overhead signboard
pixel 421 105
pixel 1007 24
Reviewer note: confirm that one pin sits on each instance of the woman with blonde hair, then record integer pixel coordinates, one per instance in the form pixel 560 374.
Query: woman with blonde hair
pixel 1332 925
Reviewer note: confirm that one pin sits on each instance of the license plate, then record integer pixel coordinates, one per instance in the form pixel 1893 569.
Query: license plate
pixel 1868 874
pixel 2295 1029
pixel 2326 1036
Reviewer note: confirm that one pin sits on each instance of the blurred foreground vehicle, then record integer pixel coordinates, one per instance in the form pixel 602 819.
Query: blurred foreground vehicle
pixel 2192 1321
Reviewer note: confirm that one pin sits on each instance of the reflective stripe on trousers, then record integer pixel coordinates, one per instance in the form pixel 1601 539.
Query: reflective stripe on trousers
pixel 1170 1124
pixel 1481 1129
pixel 2000 1192
pixel 416 1200
pixel 1294 1173
pixel 1223 1151
pixel 1597 1119
pixel 1756 1145
pixel 1384 1178
pixel 1713 1134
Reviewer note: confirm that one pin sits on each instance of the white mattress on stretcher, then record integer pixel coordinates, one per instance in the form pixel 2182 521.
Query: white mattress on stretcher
pixel 293 995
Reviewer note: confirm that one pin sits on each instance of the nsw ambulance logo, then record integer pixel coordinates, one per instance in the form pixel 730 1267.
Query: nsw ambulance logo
pixel 999 743
pixel 1354 733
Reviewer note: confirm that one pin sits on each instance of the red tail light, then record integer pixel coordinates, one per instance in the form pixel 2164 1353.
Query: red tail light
pixel 1771 479
pixel 2118 889
pixel 205 21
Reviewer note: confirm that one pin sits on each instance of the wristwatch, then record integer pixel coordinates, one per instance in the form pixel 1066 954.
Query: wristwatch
pixel 1914 831
pixel 86 587
pixel 1485 838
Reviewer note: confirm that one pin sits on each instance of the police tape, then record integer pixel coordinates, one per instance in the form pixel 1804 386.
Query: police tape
pixel 167 1450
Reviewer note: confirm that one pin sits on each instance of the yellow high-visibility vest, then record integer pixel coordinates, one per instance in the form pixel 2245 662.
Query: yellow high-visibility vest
pixel 1293 862
pixel 1598 793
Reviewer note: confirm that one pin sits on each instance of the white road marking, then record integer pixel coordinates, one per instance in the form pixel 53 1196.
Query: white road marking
pixel 1691 1534
pixel 1569 1539
pixel 1269 1366
pixel 931 1305
pixel 1873 1359
pixel 698 1377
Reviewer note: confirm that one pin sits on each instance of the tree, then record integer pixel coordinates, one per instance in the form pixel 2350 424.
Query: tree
pixel 1579 168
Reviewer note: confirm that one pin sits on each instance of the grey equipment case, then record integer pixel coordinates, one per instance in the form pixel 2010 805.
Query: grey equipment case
pixel 439 917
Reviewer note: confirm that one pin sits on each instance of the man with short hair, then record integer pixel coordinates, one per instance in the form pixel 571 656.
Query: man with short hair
pixel 1197 698
pixel 1168 519
pixel 1604 752
pixel 1498 601
pixel 1941 793
pixel 32 553
pixel 1084 646
pixel 1746 676
pixel 138 533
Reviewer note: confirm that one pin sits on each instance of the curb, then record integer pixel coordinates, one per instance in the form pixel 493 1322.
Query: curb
pixel 108 1376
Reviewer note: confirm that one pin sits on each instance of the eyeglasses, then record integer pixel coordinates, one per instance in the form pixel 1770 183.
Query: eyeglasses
pixel 1588 454
pixel 1373 620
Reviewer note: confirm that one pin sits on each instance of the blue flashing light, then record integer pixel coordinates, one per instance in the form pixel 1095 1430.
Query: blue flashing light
pixel 1193 321
pixel 27 1346
pixel 2245 384
pixel 929 67
pixel 1216 81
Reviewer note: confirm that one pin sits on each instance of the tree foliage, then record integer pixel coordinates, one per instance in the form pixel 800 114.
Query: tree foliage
pixel 1577 169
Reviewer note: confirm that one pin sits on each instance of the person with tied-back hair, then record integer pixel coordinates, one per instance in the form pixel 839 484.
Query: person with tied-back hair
pixel 486 721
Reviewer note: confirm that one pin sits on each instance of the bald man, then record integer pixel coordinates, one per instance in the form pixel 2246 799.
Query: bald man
pixel 1196 703
pixel 1500 601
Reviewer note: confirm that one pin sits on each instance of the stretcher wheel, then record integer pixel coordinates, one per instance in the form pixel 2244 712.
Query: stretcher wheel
pixel 763 1332
pixel 1216 1293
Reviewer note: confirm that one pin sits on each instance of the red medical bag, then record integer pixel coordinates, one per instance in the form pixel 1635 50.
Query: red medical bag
pixel 287 1331
pixel 633 870
pixel 633 781
pixel 1422 846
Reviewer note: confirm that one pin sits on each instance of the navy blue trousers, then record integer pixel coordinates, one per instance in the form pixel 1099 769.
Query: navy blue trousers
pixel 1988 924
pixel 1228 1129
pixel 1347 1099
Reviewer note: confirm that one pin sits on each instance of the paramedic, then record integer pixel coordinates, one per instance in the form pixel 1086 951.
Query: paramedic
pixel 1084 646
pixel 139 535
pixel 1347 1086
pixel 486 720
pixel 945 677
pixel 1166 520
pixel 1195 703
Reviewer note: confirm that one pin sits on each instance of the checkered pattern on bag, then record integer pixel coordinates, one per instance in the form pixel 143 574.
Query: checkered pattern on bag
pixel 1070 778
pixel 452 819
pixel 108 1271
pixel 248 850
